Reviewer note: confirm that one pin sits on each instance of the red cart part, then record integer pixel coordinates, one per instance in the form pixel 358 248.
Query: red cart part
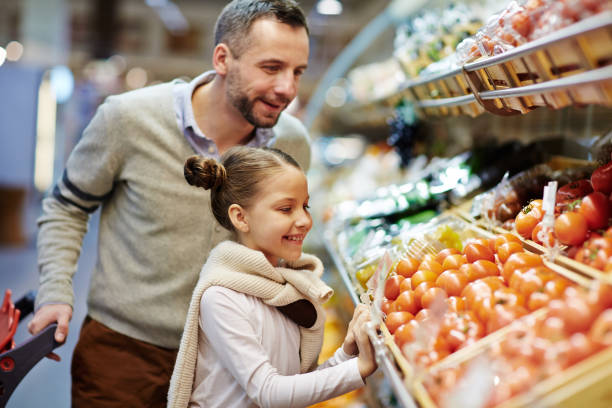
pixel 16 362
pixel 9 318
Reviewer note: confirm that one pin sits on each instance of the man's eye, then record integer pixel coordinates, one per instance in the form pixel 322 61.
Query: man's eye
pixel 306 206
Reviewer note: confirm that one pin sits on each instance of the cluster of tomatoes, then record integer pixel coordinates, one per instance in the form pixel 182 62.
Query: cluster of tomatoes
pixel 573 328
pixel 582 218
pixel 489 284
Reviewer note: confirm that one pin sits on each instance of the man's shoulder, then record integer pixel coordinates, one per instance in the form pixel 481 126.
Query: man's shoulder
pixel 290 126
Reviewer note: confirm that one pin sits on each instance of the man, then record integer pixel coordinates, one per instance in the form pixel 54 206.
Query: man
pixel 155 230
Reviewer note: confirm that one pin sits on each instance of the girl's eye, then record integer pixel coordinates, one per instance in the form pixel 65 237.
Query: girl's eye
pixel 271 69
pixel 285 209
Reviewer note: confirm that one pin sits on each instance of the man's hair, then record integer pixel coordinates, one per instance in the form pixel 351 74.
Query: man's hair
pixel 235 20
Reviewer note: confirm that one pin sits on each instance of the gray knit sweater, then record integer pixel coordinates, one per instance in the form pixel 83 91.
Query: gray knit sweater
pixel 155 230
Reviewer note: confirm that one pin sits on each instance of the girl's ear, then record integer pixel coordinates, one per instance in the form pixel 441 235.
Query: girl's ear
pixel 238 217
pixel 221 57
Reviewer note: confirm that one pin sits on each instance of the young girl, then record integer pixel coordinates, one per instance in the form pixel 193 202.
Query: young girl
pixel 254 328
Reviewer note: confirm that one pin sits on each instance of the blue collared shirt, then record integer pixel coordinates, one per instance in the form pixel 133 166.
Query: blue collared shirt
pixel 185 119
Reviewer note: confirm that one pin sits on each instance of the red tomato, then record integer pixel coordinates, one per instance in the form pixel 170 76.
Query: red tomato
pixel 452 281
pixel 578 315
pixel 601 179
pixel 407 266
pixel 396 319
pixel 596 209
pixel 405 302
pixel 506 249
pixel 405 333
pixel 571 228
pixel 444 253
pixel 392 286
pixel 580 347
pixel 385 307
pixel 432 295
pixel 574 190
pixel 474 252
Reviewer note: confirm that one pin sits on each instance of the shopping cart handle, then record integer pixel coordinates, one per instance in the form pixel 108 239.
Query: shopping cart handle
pixel 16 363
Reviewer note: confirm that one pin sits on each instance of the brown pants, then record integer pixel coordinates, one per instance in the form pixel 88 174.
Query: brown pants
pixel 110 369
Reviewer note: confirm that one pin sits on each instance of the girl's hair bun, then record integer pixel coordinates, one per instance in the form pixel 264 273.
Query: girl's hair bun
pixel 204 172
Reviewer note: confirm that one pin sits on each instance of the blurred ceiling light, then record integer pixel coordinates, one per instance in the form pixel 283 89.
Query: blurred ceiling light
pixel 329 7
pixel 45 136
pixel 62 82
pixel 14 51
pixel 170 15
pixel 2 55
pixel 336 96
pixel 136 78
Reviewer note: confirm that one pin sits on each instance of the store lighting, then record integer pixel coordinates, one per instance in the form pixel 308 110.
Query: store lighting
pixel 45 136
pixel 329 7
pixel 2 55
pixel 62 82
pixel 14 51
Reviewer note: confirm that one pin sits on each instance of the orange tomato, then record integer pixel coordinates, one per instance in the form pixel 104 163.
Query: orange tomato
pixel 392 286
pixel 407 266
pixel 473 252
pixel 527 219
pixel 431 265
pixel 482 269
pixel 535 235
pixel 432 295
pixel 520 260
pixel 452 281
pixel 396 319
pixel 508 248
pixel 444 253
pixel 571 228
pixel 453 261
pixel 420 289
pixel 405 333
pixel 405 302
pixel 456 304
pixel 421 276
pixel 537 300
pixel 505 238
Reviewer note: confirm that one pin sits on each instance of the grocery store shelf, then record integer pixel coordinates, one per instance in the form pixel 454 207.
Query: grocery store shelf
pixel 383 357
pixel 597 75
pixel 438 103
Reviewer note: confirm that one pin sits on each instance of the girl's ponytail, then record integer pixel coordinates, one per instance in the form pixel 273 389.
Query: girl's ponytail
pixel 204 172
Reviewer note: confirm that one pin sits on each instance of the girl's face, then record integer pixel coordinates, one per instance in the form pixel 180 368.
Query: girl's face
pixel 278 220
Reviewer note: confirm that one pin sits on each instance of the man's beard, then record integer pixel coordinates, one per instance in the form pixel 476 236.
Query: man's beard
pixel 244 105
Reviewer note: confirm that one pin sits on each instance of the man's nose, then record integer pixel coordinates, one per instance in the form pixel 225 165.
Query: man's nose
pixel 286 85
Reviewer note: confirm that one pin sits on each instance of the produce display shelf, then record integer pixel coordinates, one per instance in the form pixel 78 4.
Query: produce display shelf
pixel 383 357
pixel 550 71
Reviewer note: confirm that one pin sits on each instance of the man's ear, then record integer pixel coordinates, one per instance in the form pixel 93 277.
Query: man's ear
pixel 221 57
pixel 238 217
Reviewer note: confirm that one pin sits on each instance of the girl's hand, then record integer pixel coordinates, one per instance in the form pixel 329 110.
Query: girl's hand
pixel 350 346
pixel 366 360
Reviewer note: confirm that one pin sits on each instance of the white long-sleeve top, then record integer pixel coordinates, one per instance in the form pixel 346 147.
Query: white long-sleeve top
pixel 248 356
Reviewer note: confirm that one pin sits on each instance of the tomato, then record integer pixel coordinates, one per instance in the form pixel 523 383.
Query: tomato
pixel 600 295
pixel 407 266
pixel 396 319
pixel 405 302
pixel 482 269
pixel 552 329
pixel 392 286
pixel 555 287
pixel 385 306
pixel 537 300
pixel 508 248
pixel 444 253
pixel 505 238
pixel 423 314
pixel 405 333
pixel 601 331
pixel 475 290
pixel 421 276
pixel 493 282
pixel 535 235
pixel 431 296
pixel 526 220
pixel 520 260
pixel 529 283
pixel 507 296
pixel 454 261
pixel 580 347
pixel 431 265
pixel 571 228
pixel 455 339
pixel 596 209
pixel 456 303
pixel 405 285
pixel 452 281
pixel 574 190
pixel 521 23
pixel 474 252
pixel 601 179
pixel 502 316
pixel 578 315
pixel 420 289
